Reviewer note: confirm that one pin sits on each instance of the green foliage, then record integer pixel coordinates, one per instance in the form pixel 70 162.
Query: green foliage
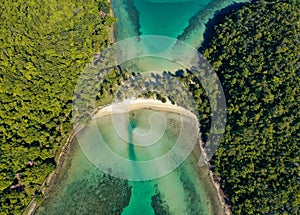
pixel 44 46
pixel 255 52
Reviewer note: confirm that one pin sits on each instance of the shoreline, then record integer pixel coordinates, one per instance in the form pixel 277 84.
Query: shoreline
pixel 137 104
pixel 220 193
pixel 51 178
pixel 101 111
pixel 123 107
pixel 112 28
pixel 217 18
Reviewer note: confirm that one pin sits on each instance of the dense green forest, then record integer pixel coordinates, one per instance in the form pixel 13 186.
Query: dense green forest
pixel 44 46
pixel 255 51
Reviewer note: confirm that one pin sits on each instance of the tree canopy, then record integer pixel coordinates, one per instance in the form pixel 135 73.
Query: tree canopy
pixel 255 52
pixel 44 46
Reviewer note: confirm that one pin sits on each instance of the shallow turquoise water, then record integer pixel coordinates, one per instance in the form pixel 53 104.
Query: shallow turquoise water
pixel 183 19
pixel 178 19
pixel 167 18
pixel 140 201
pixel 84 189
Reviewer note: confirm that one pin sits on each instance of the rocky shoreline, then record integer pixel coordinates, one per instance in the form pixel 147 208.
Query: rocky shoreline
pixel 216 181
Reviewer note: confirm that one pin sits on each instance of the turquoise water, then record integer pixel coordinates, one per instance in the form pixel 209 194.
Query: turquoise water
pixel 82 188
pixel 167 18
pixel 184 19
pixel 178 19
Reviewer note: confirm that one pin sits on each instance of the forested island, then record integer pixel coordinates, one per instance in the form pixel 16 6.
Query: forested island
pixel 254 50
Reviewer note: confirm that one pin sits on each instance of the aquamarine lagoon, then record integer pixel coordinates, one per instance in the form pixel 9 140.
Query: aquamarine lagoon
pixel 82 188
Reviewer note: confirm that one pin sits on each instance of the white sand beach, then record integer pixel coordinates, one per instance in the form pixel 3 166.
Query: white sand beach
pixel 131 105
